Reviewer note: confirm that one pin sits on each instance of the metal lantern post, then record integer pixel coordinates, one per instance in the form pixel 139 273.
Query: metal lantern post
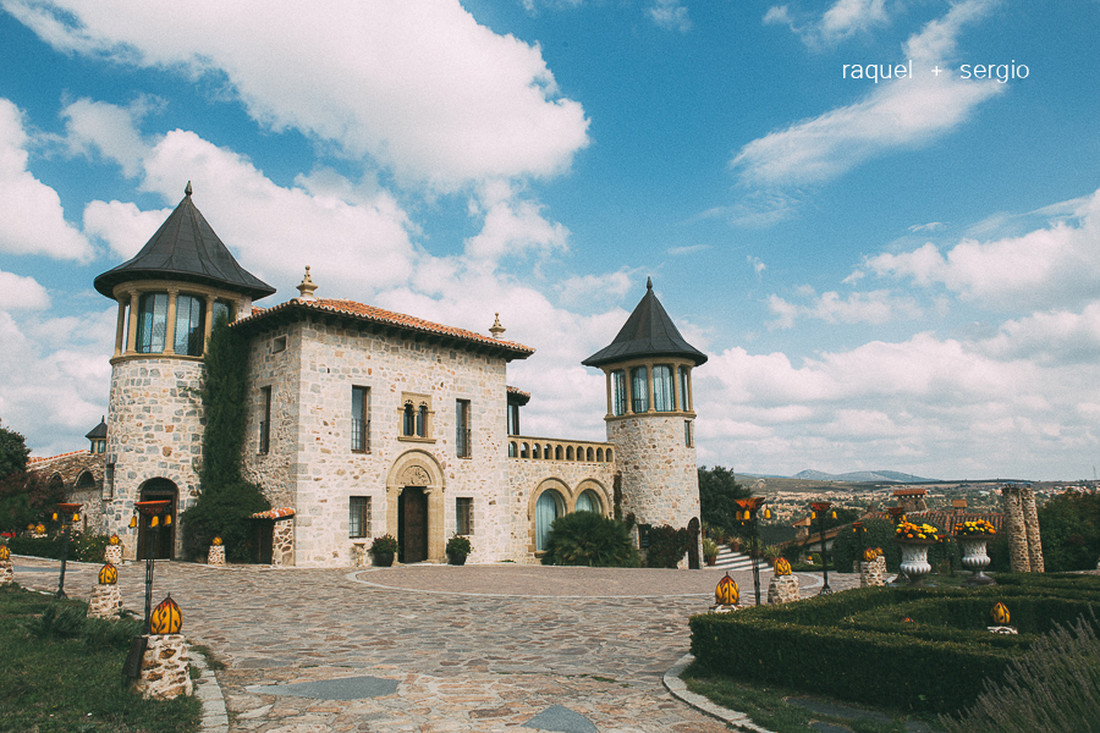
pixel 750 516
pixel 68 512
pixel 153 510
pixel 861 539
pixel 819 508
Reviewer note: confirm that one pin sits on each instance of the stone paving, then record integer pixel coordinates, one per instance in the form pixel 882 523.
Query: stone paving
pixel 474 648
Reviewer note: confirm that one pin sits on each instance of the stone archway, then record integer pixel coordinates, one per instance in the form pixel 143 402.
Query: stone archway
pixel 414 506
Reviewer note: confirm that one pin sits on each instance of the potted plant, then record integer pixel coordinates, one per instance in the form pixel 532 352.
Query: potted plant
pixel 914 541
pixel 382 550
pixel 458 547
pixel 710 551
pixel 973 536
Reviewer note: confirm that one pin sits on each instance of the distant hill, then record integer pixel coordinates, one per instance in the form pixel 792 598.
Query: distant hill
pixel 862 477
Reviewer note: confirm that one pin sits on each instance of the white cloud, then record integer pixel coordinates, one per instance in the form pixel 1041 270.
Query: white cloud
pixel 876 307
pixel 844 19
pixel 586 290
pixel 108 129
pixel 1054 266
pixel 894 114
pixel 21 293
pixel 512 227
pixel 438 98
pixel 670 15
pixel 32 221
pixel 1051 338
pixel 122 225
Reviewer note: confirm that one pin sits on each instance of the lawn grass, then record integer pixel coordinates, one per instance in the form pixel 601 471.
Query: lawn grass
pixel 768 708
pixel 59 674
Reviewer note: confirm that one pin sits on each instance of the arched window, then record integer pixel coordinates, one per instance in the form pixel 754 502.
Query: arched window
pixel 557 453
pixel 639 390
pixel 512 449
pixel 408 422
pixel 548 452
pixel 662 389
pixel 152 325
pixel 607 455
pixel 618 392
pixel 589 501
pixel 569 453
pixel 536 450
pixel 599 455
pixel 422 422
pixel 588 454
pixel 190 331
pixel 548 508
pixel 524 451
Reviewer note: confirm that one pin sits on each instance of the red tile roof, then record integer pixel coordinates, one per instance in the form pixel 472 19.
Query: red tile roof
pixel 371 314
pixel 274 513
pixel 36 459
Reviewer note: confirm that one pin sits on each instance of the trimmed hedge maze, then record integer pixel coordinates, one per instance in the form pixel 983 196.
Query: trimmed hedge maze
pixel 925 649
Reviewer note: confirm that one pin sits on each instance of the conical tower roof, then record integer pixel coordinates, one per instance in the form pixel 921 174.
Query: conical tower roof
pixel 648 332
pixel 185 248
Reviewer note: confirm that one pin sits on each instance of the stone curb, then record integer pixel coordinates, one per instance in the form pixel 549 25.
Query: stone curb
pixel 679 690
pixel 215 719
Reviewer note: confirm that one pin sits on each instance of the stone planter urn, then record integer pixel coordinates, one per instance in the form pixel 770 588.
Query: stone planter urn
pixel 975 559
pixel 382 559
pixel 914 559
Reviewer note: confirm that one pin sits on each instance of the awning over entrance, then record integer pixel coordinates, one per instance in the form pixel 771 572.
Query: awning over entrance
pixel 280 513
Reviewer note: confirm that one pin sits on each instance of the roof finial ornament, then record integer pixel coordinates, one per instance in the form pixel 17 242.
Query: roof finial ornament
pixel 306 287
pixel 187 189
pixel 649 283
pixel 496 329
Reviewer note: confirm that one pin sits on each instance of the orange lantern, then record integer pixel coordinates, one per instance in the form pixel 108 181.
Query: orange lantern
pixel 870 554
pixel 166 618
pixel 1000 614
pixel 108 575
pixel 133 521
pixel 216 541
pixel 5 553
pixel 727 593
pixel 40 529
pixel 114 540
pixel 782 567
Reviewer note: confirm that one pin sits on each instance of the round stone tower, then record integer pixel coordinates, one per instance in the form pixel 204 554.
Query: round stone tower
pixel 650 417
pixel 169 295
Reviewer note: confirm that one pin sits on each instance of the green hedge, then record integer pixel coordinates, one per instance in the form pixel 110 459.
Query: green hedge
pixel 857 646
pixel 83 546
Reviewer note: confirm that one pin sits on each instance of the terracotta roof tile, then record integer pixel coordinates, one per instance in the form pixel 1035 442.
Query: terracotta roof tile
pixel 371 314
pixel 273 513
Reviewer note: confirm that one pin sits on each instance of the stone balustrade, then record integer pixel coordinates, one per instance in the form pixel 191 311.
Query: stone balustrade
pixel 553 449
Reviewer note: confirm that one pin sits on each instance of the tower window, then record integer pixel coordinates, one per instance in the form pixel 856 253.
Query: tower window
pixel 639 390
pixel 685 403
pixel 662 389
pixel 152 326
pixel 462 428
pixel 689 433
pixel 223 310
pixel 265 419
pixel 618 392
pixel 190 331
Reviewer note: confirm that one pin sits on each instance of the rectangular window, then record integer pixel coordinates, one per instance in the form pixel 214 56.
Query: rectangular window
pixel 462 428
pixel 689 434
pixel 190 329
pixel 513 419
pixel 464 515
pixel 662 389
pixel 618 392
pixel 639 390
pixel 152 325
pixel 265 419
pixel 359 516
pixel 360 419
pixel 684 401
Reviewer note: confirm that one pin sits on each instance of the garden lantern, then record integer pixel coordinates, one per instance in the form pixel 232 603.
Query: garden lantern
pixel 819 508
pixel 1000 614
pixel 726 593
pixel 750 515
pixel 5 553
pixel 108 575
pixel 782 567
pixel 166 617
pixel 69 512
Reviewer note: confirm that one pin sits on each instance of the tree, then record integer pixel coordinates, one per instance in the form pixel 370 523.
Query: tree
pixel 718 495
pixel 227 500
pixel 13 452
pixel 1069 527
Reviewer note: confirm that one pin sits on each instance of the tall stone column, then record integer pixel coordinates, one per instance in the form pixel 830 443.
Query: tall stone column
pixel 1031 525
pixel 1012 505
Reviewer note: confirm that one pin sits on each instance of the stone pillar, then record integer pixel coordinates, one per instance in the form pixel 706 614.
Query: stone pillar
pixel 359 555
pixel 7 574
pixel 1031 526
pixel 872 573
pixel 783 589
pixel 1012 504
pixel 113 554
pixel 165 670
pixel 282 543
pixel 215 555
pixel 106 601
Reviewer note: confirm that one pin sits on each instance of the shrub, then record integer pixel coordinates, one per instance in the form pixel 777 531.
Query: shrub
pixel 879 533
pixel 588 538
pixel 667 546
pixel 1070 528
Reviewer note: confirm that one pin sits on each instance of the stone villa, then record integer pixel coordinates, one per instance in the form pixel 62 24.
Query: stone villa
pixel 364 422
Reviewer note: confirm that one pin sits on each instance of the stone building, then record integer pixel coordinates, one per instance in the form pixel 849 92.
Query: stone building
pixel 364 422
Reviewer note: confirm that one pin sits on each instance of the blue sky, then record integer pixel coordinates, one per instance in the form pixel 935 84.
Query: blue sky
pixel 896 275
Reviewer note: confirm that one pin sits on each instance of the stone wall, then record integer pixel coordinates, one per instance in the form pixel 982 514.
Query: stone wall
pixel 660 481
pixel 311 467
pixel 154 430
pixel 528 477
pixel 81 469
pixel 1025 549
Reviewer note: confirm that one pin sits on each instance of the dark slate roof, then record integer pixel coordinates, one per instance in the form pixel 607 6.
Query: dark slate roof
pixel 648 332
pixel 99 431
pixel 185 248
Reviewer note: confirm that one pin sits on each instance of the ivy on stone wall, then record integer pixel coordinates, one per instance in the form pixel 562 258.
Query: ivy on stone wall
pixel 227 499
